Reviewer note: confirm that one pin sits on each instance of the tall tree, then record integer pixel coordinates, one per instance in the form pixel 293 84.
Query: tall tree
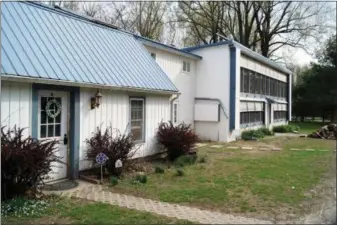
pixel 144 18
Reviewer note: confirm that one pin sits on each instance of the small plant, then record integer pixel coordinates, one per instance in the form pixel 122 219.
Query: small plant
pixel 252 134
pixel 112 143
pixel 25 162
pixel 265 131
pixel 202 159
pixel 284 129
pixel 140 179
pixel 24 207
pixel 158 169
pixel 185 160
pixel 178 140
pixel 180 172
pixel 113 181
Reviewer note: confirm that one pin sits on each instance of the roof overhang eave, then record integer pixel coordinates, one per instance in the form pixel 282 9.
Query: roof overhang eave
pixel 8 77
pixel 169 49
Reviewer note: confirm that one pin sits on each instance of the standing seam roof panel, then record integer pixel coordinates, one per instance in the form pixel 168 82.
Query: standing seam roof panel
pixel 57 53
pixel 47 43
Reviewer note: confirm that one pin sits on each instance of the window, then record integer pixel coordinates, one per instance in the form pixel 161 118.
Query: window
pixel 175 113
pixel 153 55
pixel 137 118
pixel 280 115
pixel 50 117
pixel 256 83
pixel 186 66
pixel 252 118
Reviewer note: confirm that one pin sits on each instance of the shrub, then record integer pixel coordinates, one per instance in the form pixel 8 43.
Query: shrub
pixel 202 159
pixel 180 172
pixel 178 140
pixel 265 131
pixel 251 134
pixel 283 129
pixel 113 181
pixel 185 160
pixel 25 162
pixel 158 169
pixel 112 143
pixel 140 179
pixel 20 207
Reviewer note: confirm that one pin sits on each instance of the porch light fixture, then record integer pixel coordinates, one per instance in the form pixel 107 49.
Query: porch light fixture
pixel 96 101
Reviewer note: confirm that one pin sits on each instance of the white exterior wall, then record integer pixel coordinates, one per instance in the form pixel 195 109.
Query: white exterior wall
pixel 115 110
pixel 16 105
pixel 172 65
pixel 212 81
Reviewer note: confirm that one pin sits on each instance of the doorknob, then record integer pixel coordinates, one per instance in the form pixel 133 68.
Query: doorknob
pixel 65 139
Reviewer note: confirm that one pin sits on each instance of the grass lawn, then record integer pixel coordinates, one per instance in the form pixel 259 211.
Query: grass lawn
pixel 75 211
pixel 307 127
pixel 238 181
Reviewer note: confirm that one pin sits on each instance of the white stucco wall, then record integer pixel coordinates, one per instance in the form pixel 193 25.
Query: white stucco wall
pixel 172 65
pixel 16 105
pixel 212 81
pixel 115 110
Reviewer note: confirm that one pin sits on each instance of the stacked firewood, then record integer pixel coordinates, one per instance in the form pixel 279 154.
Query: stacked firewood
pixel 325 132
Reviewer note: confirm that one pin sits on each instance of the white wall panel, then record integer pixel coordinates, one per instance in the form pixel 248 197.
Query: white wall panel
pixel 114 110
pixel 206 111
pixel 16 105
pixel 172 65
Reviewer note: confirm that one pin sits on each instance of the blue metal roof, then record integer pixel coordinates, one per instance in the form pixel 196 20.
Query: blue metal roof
pixel 42 42
pixel 245 51
pixel 156 44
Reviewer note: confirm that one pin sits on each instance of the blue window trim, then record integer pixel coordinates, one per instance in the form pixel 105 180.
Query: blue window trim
pixel 232 52
pixel 74 126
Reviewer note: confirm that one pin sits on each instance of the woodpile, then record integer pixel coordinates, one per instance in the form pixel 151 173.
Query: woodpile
pixel 326 132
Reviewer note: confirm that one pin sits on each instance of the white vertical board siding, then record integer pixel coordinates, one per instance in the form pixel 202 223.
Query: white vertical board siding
pixel 172 65
pixel 212 81
pixel 256 66
pixel 114 110
pixel 16 100
pixel 157 110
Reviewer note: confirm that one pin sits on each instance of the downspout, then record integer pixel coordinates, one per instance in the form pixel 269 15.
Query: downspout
pixel 174 97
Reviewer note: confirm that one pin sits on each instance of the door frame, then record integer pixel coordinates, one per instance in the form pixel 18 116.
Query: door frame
pixel 73 122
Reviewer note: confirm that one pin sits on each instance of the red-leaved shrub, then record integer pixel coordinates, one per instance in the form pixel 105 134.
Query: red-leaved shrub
pixel 113 144
pixel 178 140
pixel 25 162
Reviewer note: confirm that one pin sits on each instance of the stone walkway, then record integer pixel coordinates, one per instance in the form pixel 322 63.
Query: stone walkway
pixel 96 193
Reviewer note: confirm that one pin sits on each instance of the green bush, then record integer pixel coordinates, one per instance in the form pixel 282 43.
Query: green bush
pixel 113 180
pixel 252 134
pixel 284 129
pixel 185 160
pixel 140 179
pixel 266 131
pixel 202 159
pixel 158 169
pixel 24 207
pixel 180 172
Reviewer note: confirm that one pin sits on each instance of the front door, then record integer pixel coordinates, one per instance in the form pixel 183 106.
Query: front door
pixel 53 124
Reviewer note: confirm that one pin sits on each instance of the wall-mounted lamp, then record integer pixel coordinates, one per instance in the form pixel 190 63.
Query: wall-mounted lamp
pixel 96 101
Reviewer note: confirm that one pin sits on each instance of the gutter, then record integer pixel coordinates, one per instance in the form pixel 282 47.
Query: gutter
pixel 82 84
pixel 217 100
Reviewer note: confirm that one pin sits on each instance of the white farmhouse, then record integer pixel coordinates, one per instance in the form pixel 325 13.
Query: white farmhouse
pixel 63 75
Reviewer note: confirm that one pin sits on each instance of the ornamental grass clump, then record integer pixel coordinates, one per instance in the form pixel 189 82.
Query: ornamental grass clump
pixel 115 145
pixel 25 162
pixel 177 140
